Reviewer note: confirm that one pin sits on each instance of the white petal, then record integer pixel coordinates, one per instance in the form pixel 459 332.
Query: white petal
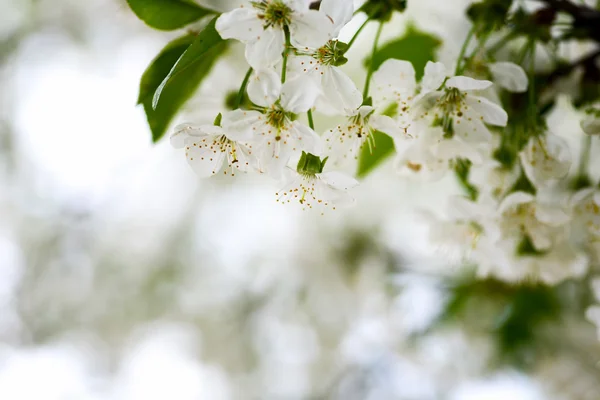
pixel 395 75
pixel 387 125
pixel 591 125
pixel 510 76
pixel 338 180
pixel 581 196
pixel 264 87
pixel 303 65
pixel 492 113
pixel 308 140
pixel 340 91
pixel 551 215
pixel 593 314
pixel 546 159
pixel 514 199
pixel 435 74
pixel 461 208
pixel 473 131
pixel 241 24
pixel 465 83
pixel 181 133
pixel 273 158
pixel 449 149
pixel 204 160
pixel 363 111
pixel 299 94
pixel 340 12
pixel 311 29
pixel 238 124
pixel 267 50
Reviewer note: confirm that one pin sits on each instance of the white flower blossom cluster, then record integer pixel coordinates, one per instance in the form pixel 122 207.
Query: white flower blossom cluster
pixel 518 223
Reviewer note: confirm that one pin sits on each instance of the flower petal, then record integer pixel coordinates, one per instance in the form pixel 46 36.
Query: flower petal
pixel 465 83
pixel 435 74
pixel 299 94
pixel 591 125
pixel 492 113
pixel 239 124
pixel 311 29
pixel 267 50
pixel 204 159
pixel 182 132
pixel 510 76
pixel 340 12
pixel 241 24
pixel 395 76
pixel 387 125
pixel 264 87
pixel 308 140
pixel 340 91
pixel 551 215
pixel 513 200
pixel 338 180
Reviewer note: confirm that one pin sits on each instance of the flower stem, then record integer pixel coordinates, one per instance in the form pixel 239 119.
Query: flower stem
pixel 459 67
pixel 242 90
pixel 372 62
pixel 501 43
pixel 532 100
pixel 311 123
pixel 286 30
pixel 583 179
pixel 359 31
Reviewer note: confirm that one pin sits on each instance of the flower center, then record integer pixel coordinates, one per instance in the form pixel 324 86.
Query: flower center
pixel 273 12
pixel 277 117
pixel 332 53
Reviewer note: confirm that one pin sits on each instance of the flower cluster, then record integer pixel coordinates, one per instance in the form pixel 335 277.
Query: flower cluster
pixel 294 57
pixel 518 221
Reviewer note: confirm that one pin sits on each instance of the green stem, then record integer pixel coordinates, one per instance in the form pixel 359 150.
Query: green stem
pixel 359 31
pixel 532 100
pixel 372 62
pixel 242 90
pixel 585 155
pixel 501 43
pixel 463 50
pixel 286 30
pixel 311 123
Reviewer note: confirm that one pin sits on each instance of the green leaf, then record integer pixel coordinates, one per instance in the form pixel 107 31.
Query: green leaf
pixel 417 47
pixel 367 161
pixel 183 79
pixel 168 15
pixel 162 64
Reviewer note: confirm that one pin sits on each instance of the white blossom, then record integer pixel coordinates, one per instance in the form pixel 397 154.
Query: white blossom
pixel 444 121
pixel 591 122
pixel 346 139
pixel 273 131
pixel 593 313
pixel 546 158
pixel 340 94
pixel 317 190
pixel 260 25
pixel 210 149
pixel 509 76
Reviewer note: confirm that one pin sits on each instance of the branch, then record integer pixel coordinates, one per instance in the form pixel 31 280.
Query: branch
pixel 584 17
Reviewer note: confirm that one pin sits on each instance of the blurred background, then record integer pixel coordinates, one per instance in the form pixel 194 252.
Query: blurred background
pixel 122 276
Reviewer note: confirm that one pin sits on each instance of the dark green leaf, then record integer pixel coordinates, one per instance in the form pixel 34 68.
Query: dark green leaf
pixel 416 47
pixel 162 64
pixel 367 161
pixel 183 80
pixel 168 14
